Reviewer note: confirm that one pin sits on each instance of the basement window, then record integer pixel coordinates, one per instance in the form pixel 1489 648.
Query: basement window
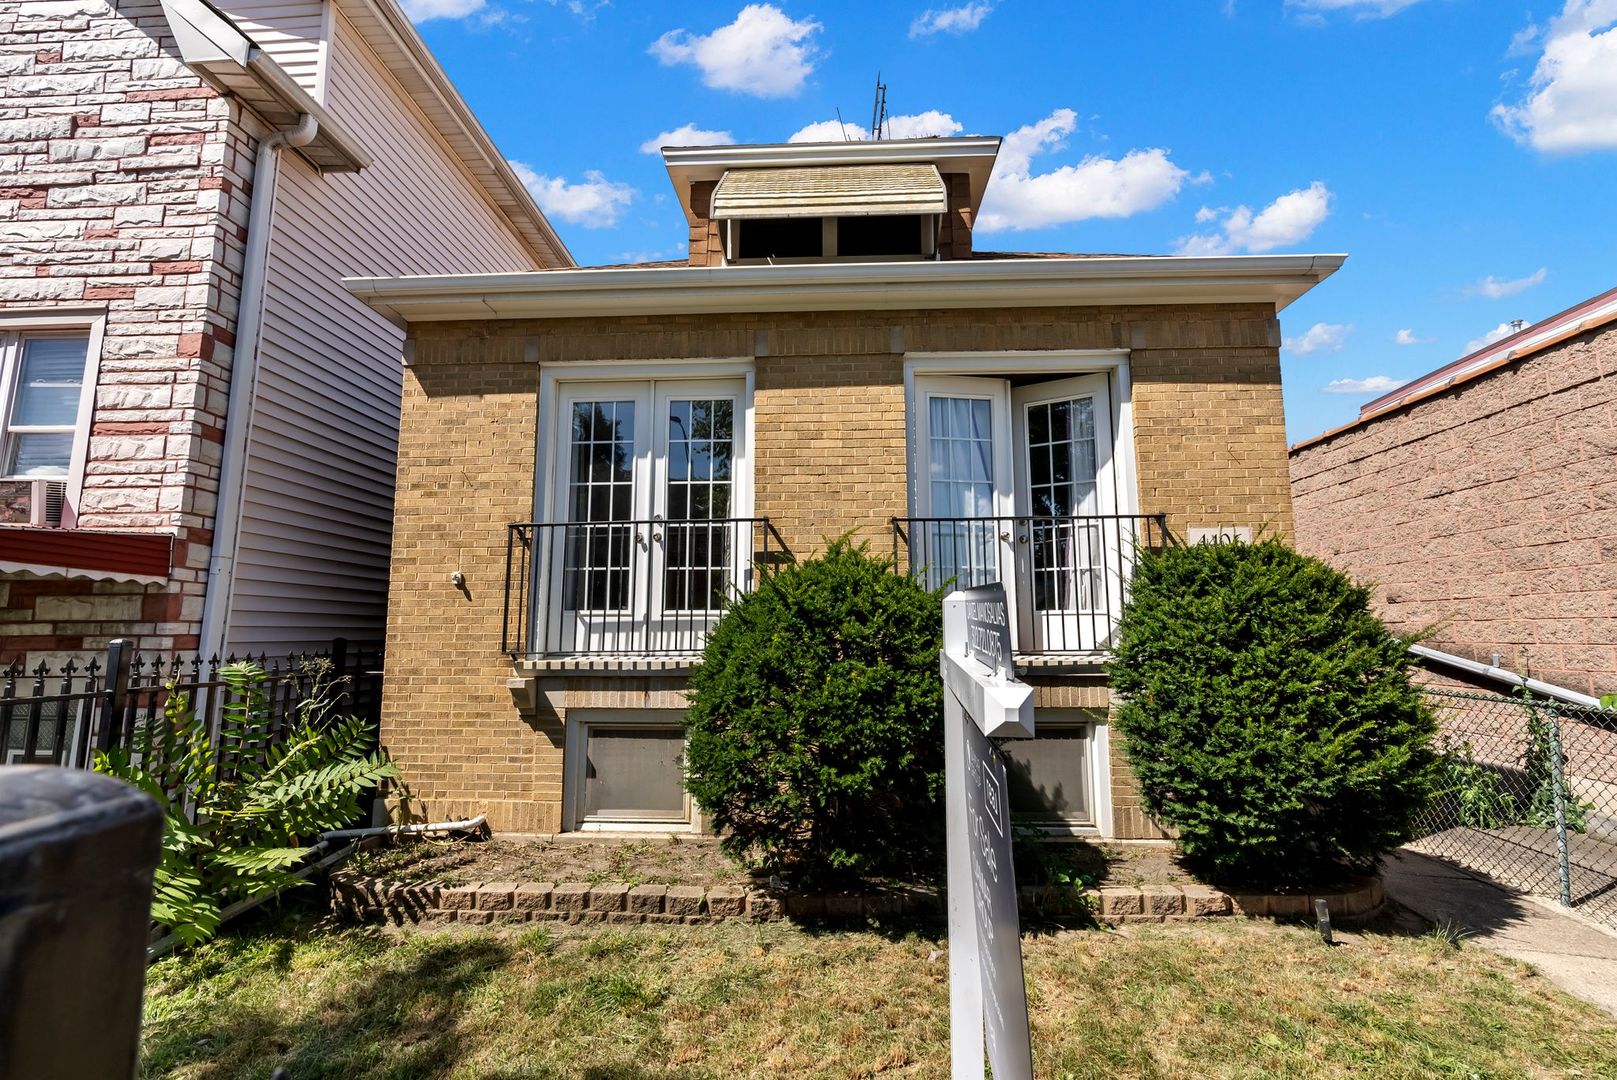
pixel 625 770
pixel 1053 779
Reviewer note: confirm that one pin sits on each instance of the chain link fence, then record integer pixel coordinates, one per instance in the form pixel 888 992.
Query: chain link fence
pixel 1528 796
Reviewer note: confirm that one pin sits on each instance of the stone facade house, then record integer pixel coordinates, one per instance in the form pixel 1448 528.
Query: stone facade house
pixel 1481 501
pixel 200 422
pixel 592 459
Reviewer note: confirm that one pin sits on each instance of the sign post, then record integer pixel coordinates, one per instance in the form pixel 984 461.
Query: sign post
pixel 982 700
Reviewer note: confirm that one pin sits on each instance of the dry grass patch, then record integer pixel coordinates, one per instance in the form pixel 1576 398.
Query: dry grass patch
pixel 642 1003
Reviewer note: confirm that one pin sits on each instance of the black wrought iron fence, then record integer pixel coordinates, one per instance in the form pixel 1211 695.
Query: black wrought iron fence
pixel 651 587
pixel 60 714
pixel 1528 796
pixel 1066 577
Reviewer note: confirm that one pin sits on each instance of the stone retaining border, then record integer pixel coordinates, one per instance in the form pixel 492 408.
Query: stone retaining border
pixel 364 899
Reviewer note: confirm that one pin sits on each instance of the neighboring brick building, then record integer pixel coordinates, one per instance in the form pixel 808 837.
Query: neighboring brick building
pixel 151 248
pixel 835 357
pixel 1481 501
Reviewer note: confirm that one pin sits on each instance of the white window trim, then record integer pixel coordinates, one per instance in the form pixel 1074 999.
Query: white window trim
pixel 578 724
pixel 1114 363
pixel 1100 771
pixel 93 324
pixel 553 375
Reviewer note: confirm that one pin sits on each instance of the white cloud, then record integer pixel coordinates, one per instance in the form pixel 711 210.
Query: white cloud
pixel 763 52
pixel 420 11
pixel 1321 337
pixel 1572 101
pixel 1096 187
pixel 911 126
pixel 686 135
pixel 1286 221
pixel 1498 333
pixel 1407 337
pixel 1374 384
pixel 960 20
pixel 1494 289
pixel 594 202
pixel 1359 9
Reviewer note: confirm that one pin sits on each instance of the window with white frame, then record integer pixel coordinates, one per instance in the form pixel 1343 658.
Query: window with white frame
pixel 625 770
pixel 43 378
pixel 1056 781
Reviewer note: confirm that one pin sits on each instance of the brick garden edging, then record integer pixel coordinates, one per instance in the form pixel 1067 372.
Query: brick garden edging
pixel 364 899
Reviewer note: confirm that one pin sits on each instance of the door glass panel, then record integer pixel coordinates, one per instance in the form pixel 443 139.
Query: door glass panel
pixel 1062 466
pixel 961 478
pixel 600 491
pixel 701 454
pixel 634 773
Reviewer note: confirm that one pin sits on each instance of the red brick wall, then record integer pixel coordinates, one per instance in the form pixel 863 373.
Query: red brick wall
pixel 1487 513
pixel 126 195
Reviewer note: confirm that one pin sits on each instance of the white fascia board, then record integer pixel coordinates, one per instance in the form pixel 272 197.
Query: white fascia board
pixel 205 36
pixel 1266 279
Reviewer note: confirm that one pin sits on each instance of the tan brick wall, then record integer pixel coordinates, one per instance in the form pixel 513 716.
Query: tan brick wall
pixel 1486 513
pixel 829 457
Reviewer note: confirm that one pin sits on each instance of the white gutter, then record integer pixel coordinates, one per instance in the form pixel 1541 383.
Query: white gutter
pixel 1500 675
pixel 243 383
pixel 979 283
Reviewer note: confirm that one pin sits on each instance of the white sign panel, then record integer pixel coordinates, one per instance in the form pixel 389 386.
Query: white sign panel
pixel 982 699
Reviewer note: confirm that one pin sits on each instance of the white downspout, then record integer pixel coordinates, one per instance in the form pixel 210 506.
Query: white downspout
pixel 243 381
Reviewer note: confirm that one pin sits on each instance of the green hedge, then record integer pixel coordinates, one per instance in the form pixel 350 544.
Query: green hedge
pixel 815 723
pixel 1268 714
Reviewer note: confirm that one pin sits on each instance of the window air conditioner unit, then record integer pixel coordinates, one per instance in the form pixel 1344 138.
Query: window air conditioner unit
pixel 46 504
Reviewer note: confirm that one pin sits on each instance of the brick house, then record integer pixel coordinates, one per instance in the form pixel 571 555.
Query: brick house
pixel 200 422
pixel 1481 501
pixel 592 458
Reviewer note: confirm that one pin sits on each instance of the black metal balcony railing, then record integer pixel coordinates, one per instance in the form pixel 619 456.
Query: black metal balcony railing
pixel 1065 577
pixel 624 588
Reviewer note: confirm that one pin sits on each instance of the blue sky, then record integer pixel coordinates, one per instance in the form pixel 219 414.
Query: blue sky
pixel 1462 153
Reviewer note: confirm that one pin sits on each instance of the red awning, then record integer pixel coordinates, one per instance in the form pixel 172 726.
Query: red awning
pixel 82 553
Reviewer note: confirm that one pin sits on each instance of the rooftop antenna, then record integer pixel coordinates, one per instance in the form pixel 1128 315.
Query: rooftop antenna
pixel 842 127
pixel 878 111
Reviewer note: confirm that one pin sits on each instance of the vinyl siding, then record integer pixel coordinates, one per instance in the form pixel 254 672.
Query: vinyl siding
pixel 292 32
pixel 318 499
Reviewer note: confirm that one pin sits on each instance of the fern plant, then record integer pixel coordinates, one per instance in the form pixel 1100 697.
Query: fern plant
pixel 243 809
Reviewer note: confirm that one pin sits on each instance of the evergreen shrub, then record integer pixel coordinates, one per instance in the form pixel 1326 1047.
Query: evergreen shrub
pixel 1268 714
pixel 815 723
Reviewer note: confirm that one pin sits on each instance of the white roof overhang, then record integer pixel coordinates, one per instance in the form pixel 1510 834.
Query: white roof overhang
pixel 972 156
pixel 1076 282
pixel 216 49
pixel 830 191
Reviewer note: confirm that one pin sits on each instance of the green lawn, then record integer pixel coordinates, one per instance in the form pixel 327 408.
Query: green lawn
pixel 1241 999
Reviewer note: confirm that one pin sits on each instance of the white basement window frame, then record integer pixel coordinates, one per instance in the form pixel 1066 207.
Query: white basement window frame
pixel 19 333
pixel 1089 813
pixel 582 789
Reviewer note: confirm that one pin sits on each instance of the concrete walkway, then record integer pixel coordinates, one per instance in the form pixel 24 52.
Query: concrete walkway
pixel 1576 955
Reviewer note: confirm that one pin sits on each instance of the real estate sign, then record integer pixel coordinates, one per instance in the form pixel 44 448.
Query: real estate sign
pixel 982 701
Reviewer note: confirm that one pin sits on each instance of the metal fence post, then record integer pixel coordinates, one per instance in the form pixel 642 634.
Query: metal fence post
pixel 120 653
pixel 1558 795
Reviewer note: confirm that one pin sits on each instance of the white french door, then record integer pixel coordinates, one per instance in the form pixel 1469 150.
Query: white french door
pixel 643 549
pixel 1066 493
pixel 1016 485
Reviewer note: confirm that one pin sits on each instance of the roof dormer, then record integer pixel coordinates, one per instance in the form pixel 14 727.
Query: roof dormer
pixel 884 201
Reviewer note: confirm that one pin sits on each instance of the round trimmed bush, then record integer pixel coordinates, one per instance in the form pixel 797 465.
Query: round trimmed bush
pixel 815 723
pixel 1268 714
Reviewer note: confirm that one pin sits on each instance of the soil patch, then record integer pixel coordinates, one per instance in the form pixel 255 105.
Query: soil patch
pixel 657 860
pixel 697 860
